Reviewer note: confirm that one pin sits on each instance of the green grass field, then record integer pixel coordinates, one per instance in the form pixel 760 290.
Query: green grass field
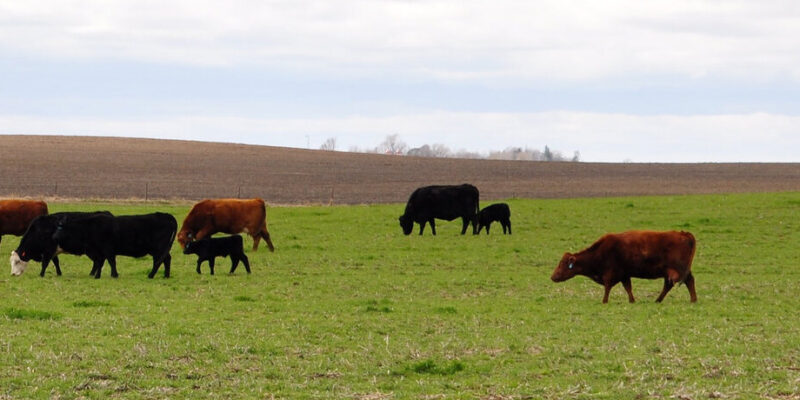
pixel 348 307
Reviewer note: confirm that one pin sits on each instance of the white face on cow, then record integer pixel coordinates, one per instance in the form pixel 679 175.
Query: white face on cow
pixel 17 265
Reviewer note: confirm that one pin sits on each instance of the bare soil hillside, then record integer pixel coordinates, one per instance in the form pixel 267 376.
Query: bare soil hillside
pixel 118 168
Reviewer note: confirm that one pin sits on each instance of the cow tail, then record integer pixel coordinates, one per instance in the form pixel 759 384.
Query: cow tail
pixel 692 243
pixel 265 232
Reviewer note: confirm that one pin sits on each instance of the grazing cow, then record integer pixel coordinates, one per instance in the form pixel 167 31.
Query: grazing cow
pixel 636 254
pixel 104 237
pixel 37 243
pixel 209 248
pixel 442 202
pixel 227 216
pixel 16 215
pixel 495 212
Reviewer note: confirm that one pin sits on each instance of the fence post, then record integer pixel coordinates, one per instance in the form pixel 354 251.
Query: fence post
pixel 146 191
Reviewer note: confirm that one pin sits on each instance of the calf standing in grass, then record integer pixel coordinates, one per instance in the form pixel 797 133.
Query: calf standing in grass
pixel 209 248
pixel 495 212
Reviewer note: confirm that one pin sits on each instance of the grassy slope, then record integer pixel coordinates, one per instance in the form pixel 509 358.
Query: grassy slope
pixel 347 307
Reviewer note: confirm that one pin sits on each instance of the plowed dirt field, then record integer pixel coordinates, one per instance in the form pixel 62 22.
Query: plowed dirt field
pixel 118 168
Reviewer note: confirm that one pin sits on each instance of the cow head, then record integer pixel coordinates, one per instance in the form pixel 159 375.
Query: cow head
pixel 17 265
pixel 190 248
pixel 407 224
pixel 566 268
pixel 184 237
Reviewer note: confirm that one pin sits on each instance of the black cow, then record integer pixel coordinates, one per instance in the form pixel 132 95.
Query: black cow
pixel 442 202
pixel 37 243
pixel 495 212
pixel 104 237
pixel 209 248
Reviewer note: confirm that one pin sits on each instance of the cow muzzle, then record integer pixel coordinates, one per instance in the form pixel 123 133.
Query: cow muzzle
pixel 17 265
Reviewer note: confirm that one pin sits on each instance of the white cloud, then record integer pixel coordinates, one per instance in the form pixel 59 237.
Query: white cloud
pixel 504 40
pixel 599 137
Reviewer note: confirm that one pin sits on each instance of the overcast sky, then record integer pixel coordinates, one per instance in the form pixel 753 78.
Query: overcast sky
pixel 624 80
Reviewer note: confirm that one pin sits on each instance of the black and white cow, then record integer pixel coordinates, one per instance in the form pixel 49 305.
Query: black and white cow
pixel 104 237
pixel 209 248
pixel 495 212
pixel 442 202
pixel 37 242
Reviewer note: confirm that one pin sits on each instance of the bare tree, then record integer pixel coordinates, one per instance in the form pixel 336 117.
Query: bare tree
pixel 440 150
pixel 330 144
pixel 393 145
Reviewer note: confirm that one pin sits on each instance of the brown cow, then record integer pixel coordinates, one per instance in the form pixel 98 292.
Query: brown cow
pixel 619 257
pixel 16 215
pixel 228 216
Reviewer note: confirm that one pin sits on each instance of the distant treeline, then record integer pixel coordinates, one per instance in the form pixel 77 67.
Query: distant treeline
pixel 393 145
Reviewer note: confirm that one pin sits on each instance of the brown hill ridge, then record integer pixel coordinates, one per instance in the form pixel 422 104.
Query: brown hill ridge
pixel 122 168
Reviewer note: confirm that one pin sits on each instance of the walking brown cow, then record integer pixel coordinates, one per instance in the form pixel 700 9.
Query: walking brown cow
pixel 228 216
pixel 16 215
pixel 619 257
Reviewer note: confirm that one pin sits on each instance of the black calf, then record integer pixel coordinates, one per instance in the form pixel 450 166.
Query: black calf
pixel 495 212
pixel 209 248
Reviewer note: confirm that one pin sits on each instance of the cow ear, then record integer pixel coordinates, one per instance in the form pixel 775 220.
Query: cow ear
pixel 572 259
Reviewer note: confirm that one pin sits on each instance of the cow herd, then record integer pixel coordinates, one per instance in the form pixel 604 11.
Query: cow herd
pixel 101 236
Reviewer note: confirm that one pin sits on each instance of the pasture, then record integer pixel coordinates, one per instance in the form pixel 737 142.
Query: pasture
pixel 348 307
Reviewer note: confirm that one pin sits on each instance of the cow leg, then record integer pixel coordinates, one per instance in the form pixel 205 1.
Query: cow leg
pixel 626 283
pixel 199 261
pixel 167 264
pixel 509 227
pixel 234 263
pixel 464 225
pixel 153 271
pixel 689 281
pixel 433 227
pixel 97 266
pixel 211 265
pixel 112 261
pixel 45 261
pixel 156 263
pixel 246 262
pixel 256 238
pixel 607 287
pixel 57 264
pixel 667 286
pixel 489 225
pixel 265 235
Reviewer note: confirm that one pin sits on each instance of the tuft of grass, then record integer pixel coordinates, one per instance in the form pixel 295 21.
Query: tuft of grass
pixel 431 367
pixel 17 313
pixel 90 303
pixel 244 298
pixel 381 309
